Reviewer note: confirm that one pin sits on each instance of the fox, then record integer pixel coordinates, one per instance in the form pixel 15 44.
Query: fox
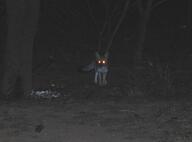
pixel 100 68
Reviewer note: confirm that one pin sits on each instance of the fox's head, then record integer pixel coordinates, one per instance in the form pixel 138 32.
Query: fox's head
pixel 101 60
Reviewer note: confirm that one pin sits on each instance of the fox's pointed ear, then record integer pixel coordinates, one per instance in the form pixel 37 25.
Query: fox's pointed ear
pixel 106 55
pixel 97 55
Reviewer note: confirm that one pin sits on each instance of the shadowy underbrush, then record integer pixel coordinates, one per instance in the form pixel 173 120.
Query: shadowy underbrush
pixel 161 80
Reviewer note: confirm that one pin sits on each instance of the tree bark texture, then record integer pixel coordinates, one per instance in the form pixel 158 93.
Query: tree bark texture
pixel 142 29
pixel 22 20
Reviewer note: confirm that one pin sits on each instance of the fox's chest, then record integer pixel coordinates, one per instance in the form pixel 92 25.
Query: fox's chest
pixel 100 68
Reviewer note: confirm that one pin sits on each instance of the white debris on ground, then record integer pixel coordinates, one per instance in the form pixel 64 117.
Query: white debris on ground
pixel 45 94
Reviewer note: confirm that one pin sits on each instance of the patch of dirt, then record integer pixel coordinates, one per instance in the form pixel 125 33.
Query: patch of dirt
pixel 146 121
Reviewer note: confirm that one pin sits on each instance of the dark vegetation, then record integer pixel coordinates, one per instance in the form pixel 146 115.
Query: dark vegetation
pixel 149 44
pixel 73 34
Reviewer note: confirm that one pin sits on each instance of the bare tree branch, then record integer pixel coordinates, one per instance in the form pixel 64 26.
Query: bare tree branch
pixel 109 14
pixel 101 34
pixel 2 10
pixel 189 15
pixel 92 15
pixel 118 24
pixel 140 6
pixel 149 6
pixel 158 3
pixel 104 26
pixel 115 9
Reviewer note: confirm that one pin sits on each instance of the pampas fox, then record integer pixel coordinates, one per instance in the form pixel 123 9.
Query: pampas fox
pixel 100 67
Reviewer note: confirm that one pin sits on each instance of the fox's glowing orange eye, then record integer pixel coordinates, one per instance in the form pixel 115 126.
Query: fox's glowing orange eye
pixel 99 62
pixel 104 62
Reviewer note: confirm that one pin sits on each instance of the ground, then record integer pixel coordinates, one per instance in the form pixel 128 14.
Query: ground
pixel 132 119
pixel 89 113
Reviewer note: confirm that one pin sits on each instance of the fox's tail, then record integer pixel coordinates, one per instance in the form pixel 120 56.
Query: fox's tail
pixel 87 68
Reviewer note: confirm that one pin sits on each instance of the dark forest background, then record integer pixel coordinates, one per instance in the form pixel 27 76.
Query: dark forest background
pixel 69 24
pixel 68 33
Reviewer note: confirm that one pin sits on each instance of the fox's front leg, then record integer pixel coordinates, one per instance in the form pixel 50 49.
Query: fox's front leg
pixel 96 77
pixel 100 78
pixel 104 78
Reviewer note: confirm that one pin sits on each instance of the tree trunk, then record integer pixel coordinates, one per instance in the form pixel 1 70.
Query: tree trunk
pixel 22 20
pixel 142 29
pixel 189 20
pixel 141 39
